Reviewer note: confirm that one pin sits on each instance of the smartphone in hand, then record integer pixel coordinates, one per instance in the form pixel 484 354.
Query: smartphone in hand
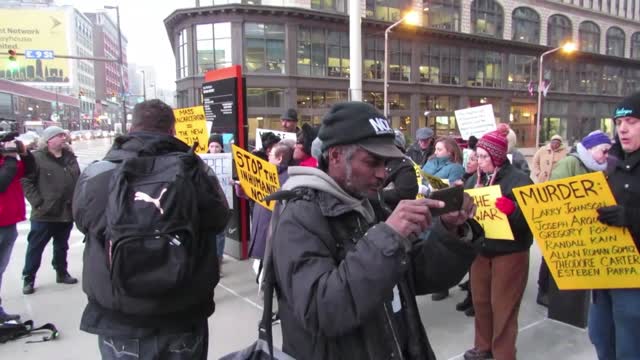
pixel 452 198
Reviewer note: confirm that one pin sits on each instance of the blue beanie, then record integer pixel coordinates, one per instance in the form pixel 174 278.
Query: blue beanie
pixel 595 138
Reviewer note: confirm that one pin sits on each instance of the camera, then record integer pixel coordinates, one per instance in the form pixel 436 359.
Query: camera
pixel 9 144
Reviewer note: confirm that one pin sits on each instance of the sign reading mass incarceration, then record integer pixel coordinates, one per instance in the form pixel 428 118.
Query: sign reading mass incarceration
pixel 581 252
pixel 191 127
pixel 258 178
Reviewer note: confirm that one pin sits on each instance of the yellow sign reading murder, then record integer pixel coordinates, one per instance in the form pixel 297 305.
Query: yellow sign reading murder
pixel 258 178
pixel 581 252
pixel 494 222
pixel 25 30
pixel 191 127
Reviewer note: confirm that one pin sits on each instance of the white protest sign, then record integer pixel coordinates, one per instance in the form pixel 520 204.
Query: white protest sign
pixel 222 165
pixel 475 121
pixel 281 134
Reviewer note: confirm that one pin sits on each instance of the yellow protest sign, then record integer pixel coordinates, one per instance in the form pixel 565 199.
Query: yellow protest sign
pixel 581 252
pixel 258 178
pixel 191 126
pixel 495 223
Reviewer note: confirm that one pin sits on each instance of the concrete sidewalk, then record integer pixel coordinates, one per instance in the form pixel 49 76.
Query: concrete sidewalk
pixel 234 324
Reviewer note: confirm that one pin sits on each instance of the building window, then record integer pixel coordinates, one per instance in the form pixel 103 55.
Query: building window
pixel 631 80
pixel 399 101
pixel 313 99
pixel 487 18
pixel 443 14
pixel 399 60
pixel 485 68
pixel 312 57
pixel 558 30
pixel 615 42
pixel 338 54
pixel 387 10
pixel 526 25
pixel 183 54
pixel 213 46
pixel 373 58
pixel 374 98
pixel 612 80
pixel 440 65
pixel 589 37
pixel 264 48
pixel 588 76
pixel 523 70
pixel 329 5
pixel 635 46
pixel 439 103
pixel 264 97
pixel 556 75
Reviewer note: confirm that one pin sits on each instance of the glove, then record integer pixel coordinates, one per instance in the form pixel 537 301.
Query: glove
pixel 615 215
pixel 505 205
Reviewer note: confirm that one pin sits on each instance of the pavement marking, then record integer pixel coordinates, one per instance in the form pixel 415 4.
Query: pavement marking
pixel 519 330
pixel 568 325
pixel 240 296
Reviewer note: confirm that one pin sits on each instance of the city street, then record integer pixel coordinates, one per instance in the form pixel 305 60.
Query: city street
pixel 234 324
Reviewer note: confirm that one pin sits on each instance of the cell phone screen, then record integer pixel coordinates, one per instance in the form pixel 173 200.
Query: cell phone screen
pixel 452 198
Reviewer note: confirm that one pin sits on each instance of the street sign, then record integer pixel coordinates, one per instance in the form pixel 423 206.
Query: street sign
pixel 39 54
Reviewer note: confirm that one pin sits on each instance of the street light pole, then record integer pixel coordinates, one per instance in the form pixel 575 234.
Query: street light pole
pixel 121 62
pixel 568 47
pixel 144 85
pixel 410 17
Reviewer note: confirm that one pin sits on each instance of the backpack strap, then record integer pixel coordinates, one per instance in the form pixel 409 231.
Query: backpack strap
pixel 48 326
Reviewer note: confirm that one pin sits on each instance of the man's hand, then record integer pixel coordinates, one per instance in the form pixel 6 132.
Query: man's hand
pixel 412 217
pixel 457 218
pixel 614 215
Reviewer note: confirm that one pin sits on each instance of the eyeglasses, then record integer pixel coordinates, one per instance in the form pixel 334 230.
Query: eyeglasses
pixel 483 156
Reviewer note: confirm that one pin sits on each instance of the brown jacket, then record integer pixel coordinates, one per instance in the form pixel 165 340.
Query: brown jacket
pixel 545 160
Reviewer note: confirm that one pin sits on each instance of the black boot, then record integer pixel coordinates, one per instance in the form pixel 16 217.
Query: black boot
pixel 27 287
pixel 65 278
pixel 440 295
pixel 464 304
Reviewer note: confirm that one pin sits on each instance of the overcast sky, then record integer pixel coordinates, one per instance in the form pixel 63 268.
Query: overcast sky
pixel 142 23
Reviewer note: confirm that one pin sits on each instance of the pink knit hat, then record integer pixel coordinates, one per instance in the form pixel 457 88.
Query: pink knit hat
pixel 496 145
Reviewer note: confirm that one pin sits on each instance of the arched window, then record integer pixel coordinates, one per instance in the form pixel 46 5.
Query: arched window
pixel 635 46
pixel 589 37
pixel 443 14
pixel 487 18
pixel 526 25
pixel 615 41
pixel 558 30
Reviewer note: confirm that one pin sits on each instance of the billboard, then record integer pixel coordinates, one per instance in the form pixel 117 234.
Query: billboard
pixel 35 29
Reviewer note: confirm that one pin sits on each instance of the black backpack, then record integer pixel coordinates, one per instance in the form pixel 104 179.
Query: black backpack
pixel 12 330
pixel 153 242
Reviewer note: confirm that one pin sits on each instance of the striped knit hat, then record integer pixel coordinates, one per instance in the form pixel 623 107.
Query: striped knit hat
pixel 496 145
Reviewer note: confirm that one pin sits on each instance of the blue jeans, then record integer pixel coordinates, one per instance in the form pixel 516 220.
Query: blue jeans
pixel 190 345
pixel 614 324
pixel 220 239
pixel 38 238
pixel 8 236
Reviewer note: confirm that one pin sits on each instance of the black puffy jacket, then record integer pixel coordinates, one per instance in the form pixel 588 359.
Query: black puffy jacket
pixel 178 310
pixel 337 278
pixel 623 175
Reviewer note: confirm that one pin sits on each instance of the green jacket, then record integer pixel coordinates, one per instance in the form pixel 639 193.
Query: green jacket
pixel 49 188
pixel 568 167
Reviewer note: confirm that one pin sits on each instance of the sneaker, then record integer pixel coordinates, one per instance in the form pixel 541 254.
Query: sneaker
pixel 475 354
pixel 464 304
pixel 65 278
pixel 28 288
pixel 4 317
pixel 440 295
pixel 542 299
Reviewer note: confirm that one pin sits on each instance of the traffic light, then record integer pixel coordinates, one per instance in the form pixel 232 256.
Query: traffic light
pixel 13 62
